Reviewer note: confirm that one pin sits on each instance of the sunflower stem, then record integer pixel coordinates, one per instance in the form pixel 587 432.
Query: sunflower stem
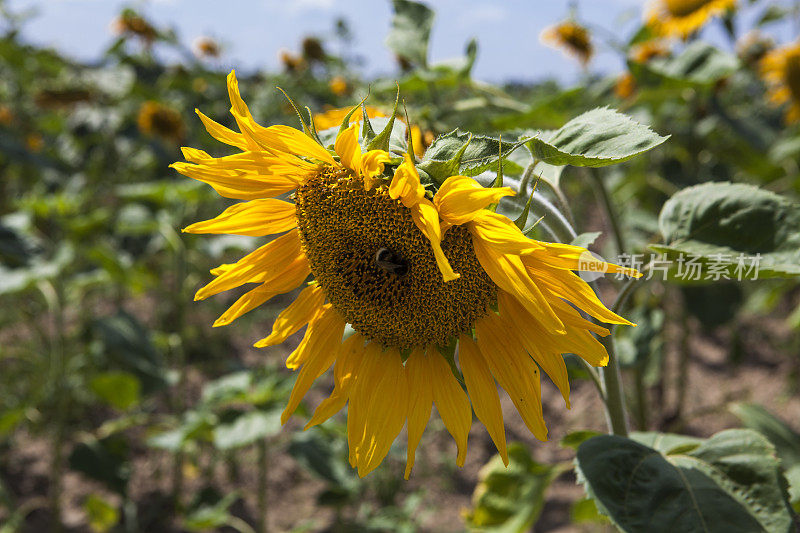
pixel 608 207
pixel 615 397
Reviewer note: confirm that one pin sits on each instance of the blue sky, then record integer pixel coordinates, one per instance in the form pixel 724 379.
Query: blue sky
pixel 253 31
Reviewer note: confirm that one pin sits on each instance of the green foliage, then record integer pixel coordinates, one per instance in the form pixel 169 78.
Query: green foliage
pixel 719 221
pixel 103 516
pixel 510 499
pixel 700 64
pixel 411 29
pixel 594 139
pixel 730 482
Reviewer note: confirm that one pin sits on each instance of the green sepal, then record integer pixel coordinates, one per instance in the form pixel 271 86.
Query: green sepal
pixel 311 125
pixel 405 353
pixel 367 133
pixel 381 141
pixel 522 219
pixel 346 121
pixel 306 128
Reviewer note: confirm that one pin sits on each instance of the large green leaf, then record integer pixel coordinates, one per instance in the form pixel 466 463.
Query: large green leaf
pixel 246 429
pixel 411 29
pixel 729 483
pixel 726 223
pixel 597 138
pixel 510 499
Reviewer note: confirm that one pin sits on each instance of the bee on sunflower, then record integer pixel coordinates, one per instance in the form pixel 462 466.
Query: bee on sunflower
pixel 434 288
pixel 780 69
pixel 572 38
pixel 681 18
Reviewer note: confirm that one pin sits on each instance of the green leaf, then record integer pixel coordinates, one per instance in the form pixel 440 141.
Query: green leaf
pixel 723 223
pixel 729 483
pixel 784 438
pixel 247 429
pixel 101 514
pixel 463 153
pixel 120 390
pixel 206 517
pixel 510 499
pixel 104 460
pixel 411 30
pixel 584 240
pixel 576 438
pixel 699 64
pixel 597 138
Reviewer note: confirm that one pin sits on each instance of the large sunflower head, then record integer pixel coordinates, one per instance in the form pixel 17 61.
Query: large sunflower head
pixel 416 293
pixel 780 69
pixel 681 18
pixel 570 37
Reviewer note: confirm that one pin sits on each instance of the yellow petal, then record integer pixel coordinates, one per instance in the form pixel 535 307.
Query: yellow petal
pixel 299 313
pixel 427 220
pixel 264 263
pixel 508 272
pixel 569 257
pixel 460 198
pixel 501 234
pixel 406 185
pixel 289 279
pixel 556 283
pixel 320 353
pixel 527 332
pixel 421 403
pixel 451 402
pixel 194 155
pixel 348 148
pixel 256 218
pixel 223 134
pixel 241 185
pixel 514 370
pixel 372 165
pixel 379 403
pixel 483 392
pixel 345 372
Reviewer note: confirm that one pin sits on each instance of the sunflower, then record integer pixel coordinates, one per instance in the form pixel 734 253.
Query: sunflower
pixel 780 69
pixel 571 37
pixel 625 86
pixel 156 119
pixel 680 18
pixel 206 47
pixel 413 272
pixel 644 52
pixel 339 86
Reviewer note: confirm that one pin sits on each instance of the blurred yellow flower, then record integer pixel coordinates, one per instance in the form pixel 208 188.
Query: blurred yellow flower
pixel 291 62
pixel 680 18
pixel 338 86
pixel 625 86
pixel 334 117
pixel 780 70
pixel 753 46
pixel 132 24
pixel 156 119
pixel 570 37
pixel 411 271
pixel 644 52
pixel 6 115
pixel 206 47
pixel 34 142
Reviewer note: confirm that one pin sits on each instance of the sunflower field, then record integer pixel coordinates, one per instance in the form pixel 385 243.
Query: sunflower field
pixel 594 284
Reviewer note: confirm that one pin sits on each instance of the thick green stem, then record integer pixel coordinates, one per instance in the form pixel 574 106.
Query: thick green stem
pixel 615 397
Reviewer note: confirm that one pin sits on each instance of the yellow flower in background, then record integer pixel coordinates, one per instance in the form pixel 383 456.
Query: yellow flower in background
pixel 291 62
pixel 680 18
pixel 6 115
pixel 411 272
pixel 753 46
pixel 780 70
pixel 625 86
pixel 130 24
pixel 644 52
pixel 570 37
pixel 206 47
pixel 157 120
pixel 338 86
pixel 34 142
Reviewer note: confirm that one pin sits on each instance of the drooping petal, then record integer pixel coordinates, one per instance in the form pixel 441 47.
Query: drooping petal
pixel 223 134
pixel 508 272
pixel 345 373
pixel 256 218
pixel 406 185
pixel 529 334
pixel 349 150
pixel 451 402
pixel 460 198
pixel 556 283
pixel 299 313
pixel 501 234
pixel 372 164
pixel 514 370
pixel 319 354
pixel 483 392
pixel 421 403
pixel 569 257
pixel 426 219
pixel 264 263
pixel 245 186
pixel 282 282
pixel 378 407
